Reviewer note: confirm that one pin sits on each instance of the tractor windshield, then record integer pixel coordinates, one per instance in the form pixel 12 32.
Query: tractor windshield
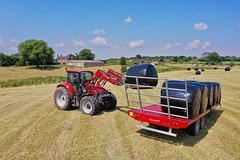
pixel 73 78
pixel 86 76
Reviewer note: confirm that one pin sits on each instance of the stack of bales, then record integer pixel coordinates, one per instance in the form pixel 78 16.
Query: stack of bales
pixel 200 95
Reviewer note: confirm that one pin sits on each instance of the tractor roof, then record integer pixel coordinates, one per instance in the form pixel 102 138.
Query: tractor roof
pixel 79 71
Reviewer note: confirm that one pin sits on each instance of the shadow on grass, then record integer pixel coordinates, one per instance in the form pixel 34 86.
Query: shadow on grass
pixel 101 110
pixel 182 137
pixel 122 109
pixel 45 68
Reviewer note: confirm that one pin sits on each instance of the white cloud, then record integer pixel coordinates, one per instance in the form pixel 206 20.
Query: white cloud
pixel 177 44
pixel 206 44
pixel 98 31
pixel 117 46
pixel 193 44
pixel 129 19
pixel 14 40
pixel 13 49
pixel 134 44
pixel 169 45
pixel 99 41
pixel 78 43
pixel 200 26
pixel 59 44
pixel 2 43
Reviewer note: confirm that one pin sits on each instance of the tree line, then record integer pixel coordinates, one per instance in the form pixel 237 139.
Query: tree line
pixel 207 57
pixel 37 52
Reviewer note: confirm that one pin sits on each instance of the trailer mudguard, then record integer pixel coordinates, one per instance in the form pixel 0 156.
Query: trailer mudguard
pixel 68 86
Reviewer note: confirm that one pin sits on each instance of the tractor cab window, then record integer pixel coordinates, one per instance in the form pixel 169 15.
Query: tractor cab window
pixel 86 76
pixel 73 78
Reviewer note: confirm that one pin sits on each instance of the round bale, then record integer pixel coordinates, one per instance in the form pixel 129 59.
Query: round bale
pixel 227 69
pixel 204 92
pixel 144 70
pixel 193 95
pixel 216 91
pixel 198 72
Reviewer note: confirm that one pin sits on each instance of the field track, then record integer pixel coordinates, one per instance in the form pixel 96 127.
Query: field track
pixel 31 127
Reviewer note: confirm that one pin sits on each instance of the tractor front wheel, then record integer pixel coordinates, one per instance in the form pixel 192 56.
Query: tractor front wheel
pixel 62 98
pixel 111 103
pixel 89 105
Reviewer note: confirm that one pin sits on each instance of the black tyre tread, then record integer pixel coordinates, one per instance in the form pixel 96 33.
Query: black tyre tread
pixel 202 122
pixel 68 105
pixel 194 128
pixel 113 103
pixel 94 102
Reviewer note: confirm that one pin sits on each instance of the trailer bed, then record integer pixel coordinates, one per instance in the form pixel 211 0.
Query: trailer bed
pixel 161 119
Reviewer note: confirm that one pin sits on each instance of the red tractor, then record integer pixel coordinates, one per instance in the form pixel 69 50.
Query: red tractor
pixel 84 89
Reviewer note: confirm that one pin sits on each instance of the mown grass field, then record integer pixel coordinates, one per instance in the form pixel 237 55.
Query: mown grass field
pixel 31 127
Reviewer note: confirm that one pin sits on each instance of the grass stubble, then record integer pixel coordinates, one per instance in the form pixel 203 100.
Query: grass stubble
pixel 31 127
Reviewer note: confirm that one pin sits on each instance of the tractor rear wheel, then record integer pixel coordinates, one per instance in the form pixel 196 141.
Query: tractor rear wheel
pixel 62 98
pixel 111 103
pixel 89 105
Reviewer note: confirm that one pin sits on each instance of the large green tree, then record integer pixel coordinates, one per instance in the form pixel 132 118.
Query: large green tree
pixel 138 56
pixel 36 52
pixel 213 58
pixel 122 61
pixel 85 54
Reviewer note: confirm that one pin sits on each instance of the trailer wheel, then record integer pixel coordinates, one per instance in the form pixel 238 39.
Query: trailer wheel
pixel 89 105
pixel 62 98
pixel 202 122
pixel 111 104
pixel 194 128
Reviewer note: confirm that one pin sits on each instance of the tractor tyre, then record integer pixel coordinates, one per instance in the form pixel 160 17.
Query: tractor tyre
pixel 111 104
pixel 89 105
pixel 62 98
pixel 194 128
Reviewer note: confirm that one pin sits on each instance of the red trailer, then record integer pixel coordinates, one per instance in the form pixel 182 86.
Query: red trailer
pixel 154 115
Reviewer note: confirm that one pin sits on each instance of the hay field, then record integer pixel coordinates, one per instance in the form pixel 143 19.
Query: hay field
pixel 28 72
pixel 31 127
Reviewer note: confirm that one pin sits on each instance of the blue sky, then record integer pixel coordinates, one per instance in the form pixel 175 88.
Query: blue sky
pixel 112 29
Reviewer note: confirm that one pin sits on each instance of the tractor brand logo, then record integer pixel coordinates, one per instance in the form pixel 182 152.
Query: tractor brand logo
pixel 154 120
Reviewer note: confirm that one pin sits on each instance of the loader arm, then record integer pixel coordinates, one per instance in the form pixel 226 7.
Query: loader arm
pixel 100 78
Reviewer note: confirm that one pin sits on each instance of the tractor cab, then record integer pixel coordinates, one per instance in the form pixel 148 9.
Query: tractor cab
pixel 78 78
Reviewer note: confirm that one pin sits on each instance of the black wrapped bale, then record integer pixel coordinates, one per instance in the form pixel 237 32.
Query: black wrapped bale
pixel 194 99
pixel 210 94
pixel 215 68
pixel 188 69
pixel 202 69
pixel 144 70
pixel 198 72
pixel 204 93
pixel 216 92
pixel 196 69
pixel 227 69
